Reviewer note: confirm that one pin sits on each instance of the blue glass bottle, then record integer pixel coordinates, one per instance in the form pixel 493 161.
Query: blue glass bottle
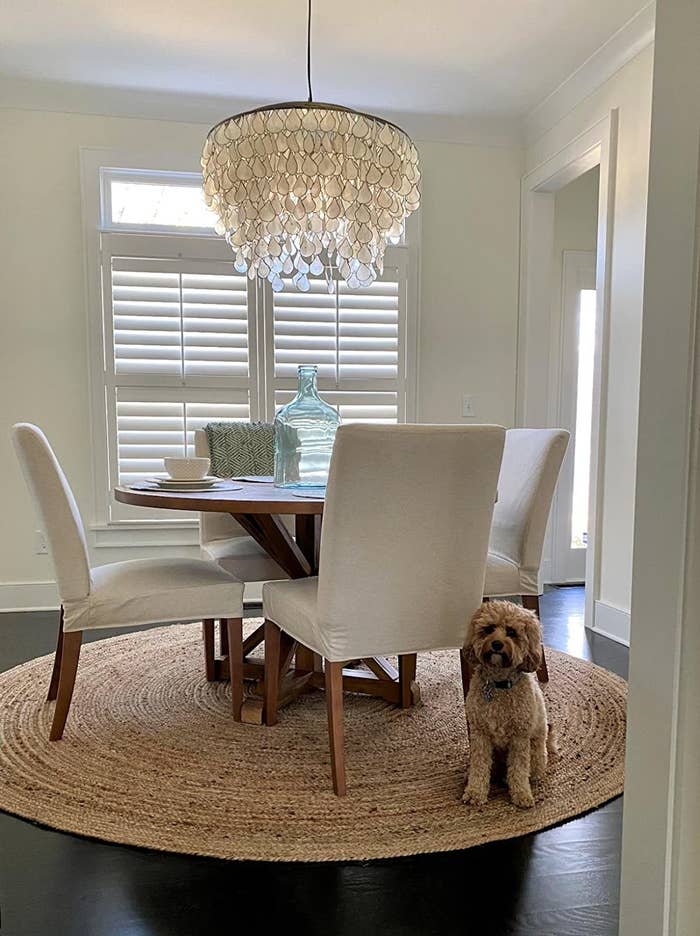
pixel 304 434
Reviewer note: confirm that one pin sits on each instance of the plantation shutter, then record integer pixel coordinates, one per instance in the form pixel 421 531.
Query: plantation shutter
pixel 178 338
pixel 149 430
pixel 356 337
pixel 148 424
pixel 178 319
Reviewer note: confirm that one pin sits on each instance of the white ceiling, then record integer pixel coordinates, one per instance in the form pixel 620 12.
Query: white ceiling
pixel 453 57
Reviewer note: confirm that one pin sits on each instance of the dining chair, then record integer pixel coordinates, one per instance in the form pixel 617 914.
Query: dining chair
pixel 224 541
pixel 121 594
pixel 532 459
pixel 403 551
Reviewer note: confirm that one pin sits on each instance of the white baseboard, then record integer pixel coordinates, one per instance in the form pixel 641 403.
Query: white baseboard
pixel 28 596
pixel 612 622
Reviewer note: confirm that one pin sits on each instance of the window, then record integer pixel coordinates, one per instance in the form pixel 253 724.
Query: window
pixel 184 339
pixel 154 201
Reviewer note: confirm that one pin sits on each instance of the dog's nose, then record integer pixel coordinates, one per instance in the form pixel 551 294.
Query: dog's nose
pixel 496 645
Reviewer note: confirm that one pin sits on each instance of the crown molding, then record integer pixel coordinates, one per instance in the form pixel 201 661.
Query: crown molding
pixel 616 52
pixel 70 98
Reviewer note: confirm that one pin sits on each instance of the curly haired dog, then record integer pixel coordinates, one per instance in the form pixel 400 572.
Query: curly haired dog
pixel 505 706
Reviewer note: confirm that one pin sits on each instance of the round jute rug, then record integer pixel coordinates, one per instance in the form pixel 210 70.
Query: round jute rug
pixel 151 757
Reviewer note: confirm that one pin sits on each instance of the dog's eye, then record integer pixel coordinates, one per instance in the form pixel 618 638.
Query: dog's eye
pixel 488 629
pixel 511 632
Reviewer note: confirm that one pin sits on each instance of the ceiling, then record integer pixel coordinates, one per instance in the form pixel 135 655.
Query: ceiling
pixel 452 57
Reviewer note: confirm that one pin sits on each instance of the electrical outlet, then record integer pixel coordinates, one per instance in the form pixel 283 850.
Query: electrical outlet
pixel 467 406
pixel 41 547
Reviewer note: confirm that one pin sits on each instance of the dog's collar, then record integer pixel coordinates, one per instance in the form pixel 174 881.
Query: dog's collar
pixel 490 685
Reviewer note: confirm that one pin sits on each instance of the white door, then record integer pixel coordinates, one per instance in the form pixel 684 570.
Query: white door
pixel 578 325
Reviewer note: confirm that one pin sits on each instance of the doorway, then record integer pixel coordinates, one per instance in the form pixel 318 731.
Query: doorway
pixel 574 321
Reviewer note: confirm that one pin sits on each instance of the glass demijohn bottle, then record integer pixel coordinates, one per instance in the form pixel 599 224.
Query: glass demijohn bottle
pixel 304 434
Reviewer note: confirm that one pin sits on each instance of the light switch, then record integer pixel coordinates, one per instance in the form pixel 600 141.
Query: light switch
pixel 467 406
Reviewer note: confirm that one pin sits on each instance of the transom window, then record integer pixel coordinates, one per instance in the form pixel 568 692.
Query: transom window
pixel 146 200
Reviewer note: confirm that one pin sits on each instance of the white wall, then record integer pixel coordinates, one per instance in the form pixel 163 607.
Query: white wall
pixel 468 299
pixel 575 220
pixel 469 282
pixel 575 228
pixel 629 90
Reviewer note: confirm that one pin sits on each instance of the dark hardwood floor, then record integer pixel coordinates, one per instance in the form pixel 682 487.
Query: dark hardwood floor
pixel 561 882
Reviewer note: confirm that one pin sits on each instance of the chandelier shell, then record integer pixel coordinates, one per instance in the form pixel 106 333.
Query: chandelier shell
pixel 303 189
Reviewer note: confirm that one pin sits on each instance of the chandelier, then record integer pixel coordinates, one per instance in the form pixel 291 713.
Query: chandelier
pixel 302 189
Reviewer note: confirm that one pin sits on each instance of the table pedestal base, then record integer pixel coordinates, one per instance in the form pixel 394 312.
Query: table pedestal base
pixel 374 676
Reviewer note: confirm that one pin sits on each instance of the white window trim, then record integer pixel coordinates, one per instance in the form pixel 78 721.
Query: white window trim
pixel 150 165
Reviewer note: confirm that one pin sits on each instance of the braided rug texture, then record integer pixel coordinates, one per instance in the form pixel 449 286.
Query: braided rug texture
pixel 151 757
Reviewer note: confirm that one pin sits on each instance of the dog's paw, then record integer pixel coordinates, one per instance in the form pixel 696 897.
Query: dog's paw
pixel 539 772
pixel 474 797
pixel 522 798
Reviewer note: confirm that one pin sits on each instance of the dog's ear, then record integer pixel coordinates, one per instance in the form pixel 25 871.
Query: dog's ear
pixel 533 635
pixel 468 648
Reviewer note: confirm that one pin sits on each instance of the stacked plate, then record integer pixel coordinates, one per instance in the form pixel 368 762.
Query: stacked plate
pixel 172 484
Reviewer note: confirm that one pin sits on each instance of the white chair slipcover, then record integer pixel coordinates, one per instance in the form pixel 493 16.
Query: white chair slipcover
pixel 403 547
pixel 532 459
pixel 138 591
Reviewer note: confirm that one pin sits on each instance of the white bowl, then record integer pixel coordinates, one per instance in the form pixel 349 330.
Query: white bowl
pixel 187 469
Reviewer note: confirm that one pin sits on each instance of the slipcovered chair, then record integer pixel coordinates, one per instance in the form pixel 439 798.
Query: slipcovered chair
pixel 225 542
pixel 121 594
pixel 403 552
pixel 532 459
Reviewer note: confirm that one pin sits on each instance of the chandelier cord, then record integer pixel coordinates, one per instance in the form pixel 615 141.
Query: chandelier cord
pixel 308 51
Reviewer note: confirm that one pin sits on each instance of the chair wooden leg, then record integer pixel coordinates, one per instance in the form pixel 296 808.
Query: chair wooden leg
pixel 273 641
pixel 53 685
pixel 466 672
pixel 233 628
pixel 407 675
pixel 532 603
pixel 69 666
pixel 209 662
pixel 334 704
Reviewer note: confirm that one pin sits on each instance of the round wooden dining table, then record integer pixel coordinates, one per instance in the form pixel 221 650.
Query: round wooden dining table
pixel 259 508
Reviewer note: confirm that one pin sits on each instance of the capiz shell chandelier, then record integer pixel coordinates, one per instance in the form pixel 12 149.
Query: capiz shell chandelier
pixel 303 188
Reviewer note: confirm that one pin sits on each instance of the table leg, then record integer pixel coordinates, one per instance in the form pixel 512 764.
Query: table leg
pixel 307 661
pixel 307 534
pixel 269 531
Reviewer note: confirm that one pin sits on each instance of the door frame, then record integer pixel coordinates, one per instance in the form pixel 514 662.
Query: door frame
pixel 537 367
